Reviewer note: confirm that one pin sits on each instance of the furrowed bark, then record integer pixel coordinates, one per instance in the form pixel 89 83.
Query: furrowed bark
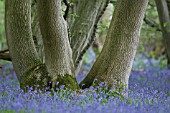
pixel 164 18
pixel 58 53
pixel 21 46
pixel 113 66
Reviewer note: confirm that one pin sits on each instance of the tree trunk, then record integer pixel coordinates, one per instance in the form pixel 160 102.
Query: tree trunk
pixel 29 69
pixel 113 66
pixel 72 21
pixel 84 25
pixel 168 4
pixel 36 34
pixel 165 25
pixel 58 53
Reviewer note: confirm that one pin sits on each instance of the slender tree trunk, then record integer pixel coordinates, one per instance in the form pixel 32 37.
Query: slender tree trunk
pixel 113 66
pixel 168 4
pixel 36 34
pixel 72 12
pixel 58 53
pixel 84 25
pixel 164 18
pixel 25 59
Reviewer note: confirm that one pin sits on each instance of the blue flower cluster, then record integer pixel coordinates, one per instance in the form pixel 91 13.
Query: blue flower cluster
pixel 149 92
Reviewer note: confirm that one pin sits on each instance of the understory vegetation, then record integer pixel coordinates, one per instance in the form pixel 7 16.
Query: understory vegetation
pixel 149 91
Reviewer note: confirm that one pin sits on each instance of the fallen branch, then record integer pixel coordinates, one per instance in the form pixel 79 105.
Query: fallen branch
pixel 4 55
pixel 4 51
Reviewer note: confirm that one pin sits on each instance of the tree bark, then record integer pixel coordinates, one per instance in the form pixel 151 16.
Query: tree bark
pixel 164 18
pixel 29 69
pixel 58 53
pixel 113 66
pixel 84 25
pixel 36 34
pixel 74 10
pixel 168 4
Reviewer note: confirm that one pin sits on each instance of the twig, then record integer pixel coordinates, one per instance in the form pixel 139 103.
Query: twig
pixel 151 23
pixel 4 51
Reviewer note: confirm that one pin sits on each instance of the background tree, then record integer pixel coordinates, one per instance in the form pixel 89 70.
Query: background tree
pixel 164 18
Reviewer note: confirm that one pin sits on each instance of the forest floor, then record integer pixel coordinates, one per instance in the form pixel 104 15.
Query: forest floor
pixel 149 92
